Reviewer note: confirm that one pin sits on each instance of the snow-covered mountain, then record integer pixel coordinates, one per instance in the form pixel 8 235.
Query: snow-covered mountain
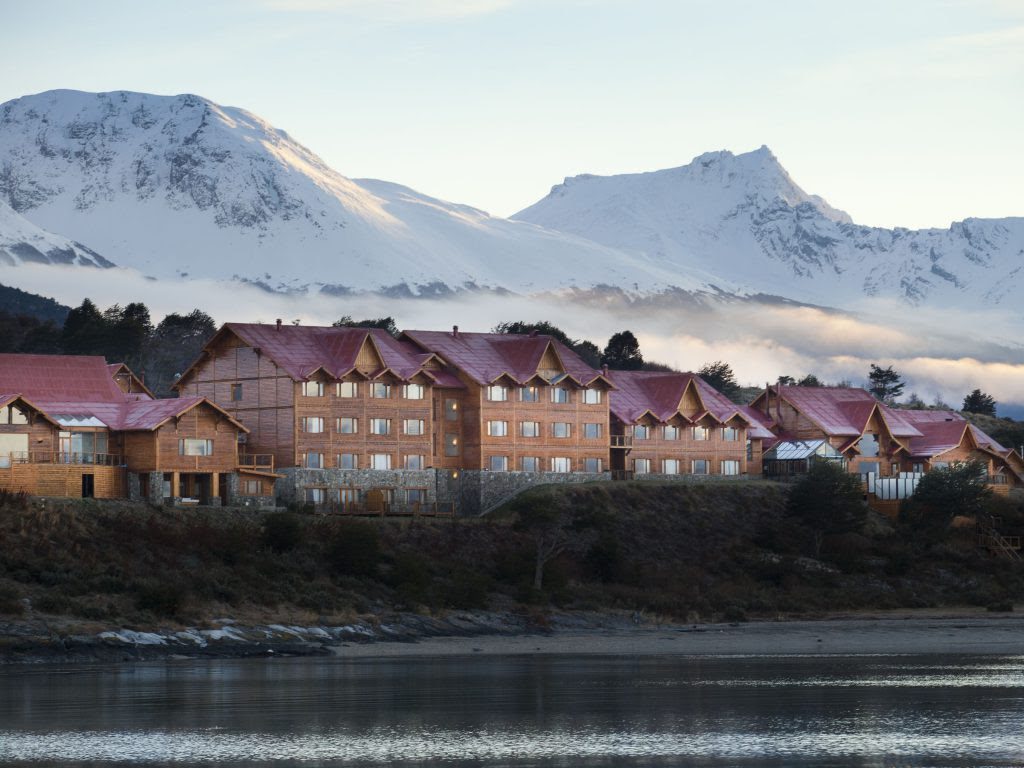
pixel 22 242
pixel 743 218
pixel 179 186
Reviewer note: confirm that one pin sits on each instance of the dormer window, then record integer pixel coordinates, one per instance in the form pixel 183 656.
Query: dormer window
pixel 529 394
pixel 559 395
pixel 313 388
pixel 592 396
pixel 497 393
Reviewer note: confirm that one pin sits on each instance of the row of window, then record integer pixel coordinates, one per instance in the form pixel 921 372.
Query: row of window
pixel 377 389
pixel 532 394
pixel 535 464
pixel 346 425
pixel 316 460
pixel 533 429
pixel 355 496
pixel 697 467
pixel 668 432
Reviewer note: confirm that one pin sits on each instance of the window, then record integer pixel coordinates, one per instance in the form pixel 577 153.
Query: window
pixel 193 447
pixel 252 487
pixel 348 461
pixel 895 469
pixel 12 415
pixel 414 462
pixel 701 433
pixel 497 428
pixel 316 495
pixel 451 444
pixel 348 425
pixel 236 392
pixel 592 396
pixel 641 466
pixel 380 426
pixel 380 461
pixel 414 391
pixel 497 393
pixel 348 389
pixel 730 467
pixel 917 469
pixel 559 395
pixel 699 467
pixel 313 388
pixel 529 428
pixel 312 424
pixel 380 390
pixel 561 429
pixel 592 431
pixel 868 445
pixel 750 450
pixel 641 432
pixel 869 468
pixel 451 409
pixel 529 394
pixel 313 460
pixel 78 446
pixel 413 426
pixel 730 434
pixel 415 495
pixel 529 464
pixel 561 464
pixel 348 495
pixel 592 465
pixel 672 433
pixel 670 466
pixel 499 463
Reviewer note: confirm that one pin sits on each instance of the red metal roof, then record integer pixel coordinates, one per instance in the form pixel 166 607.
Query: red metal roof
pixel 843 411
pixel 660 394
pixel 44 378
pixel 942 431
pixel 486 357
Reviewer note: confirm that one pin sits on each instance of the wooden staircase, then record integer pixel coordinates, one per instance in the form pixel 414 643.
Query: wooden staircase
pixel 989 538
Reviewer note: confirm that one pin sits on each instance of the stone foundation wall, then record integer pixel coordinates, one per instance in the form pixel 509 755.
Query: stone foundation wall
pixel 695 479
pixel 481 491
pixel 232 482
pixel 292 487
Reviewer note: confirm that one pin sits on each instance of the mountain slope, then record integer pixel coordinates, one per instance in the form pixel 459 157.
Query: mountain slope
pixel 22 242
pixel 181 186
pixel 743 218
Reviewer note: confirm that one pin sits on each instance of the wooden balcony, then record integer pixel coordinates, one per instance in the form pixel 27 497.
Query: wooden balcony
pixel 256 462
pixel 621 441
pixel 59 457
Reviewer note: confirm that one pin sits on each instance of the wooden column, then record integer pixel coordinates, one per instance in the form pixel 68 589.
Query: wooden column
pixel 175 485
pixel 214 485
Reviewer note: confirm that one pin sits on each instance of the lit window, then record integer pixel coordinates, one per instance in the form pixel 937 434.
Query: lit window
pixel 497 393
pixel 348 461
pixel 380 461
pixel 592 465
pixel 670 466
pixel 193 447
pixel 313 460
pixel 592 431
pixel 730 467
pixel 641 466
pixel 347 425
pixel 312 424
pixel 701 433
pixel 561 429
pixel 413 426
pixel 499 463
pixel 313 388
pixel 672 433
pixel 252 488
pixel 699 467
pixel 451 444
pixel 236 392
pixel 529 428
pixel 348 389
pixel 380 426
pixel 561 464
pixel 592 396
pixel 380 391
pixel 451 409
pixel 497 428
pixel 730 434
pixel 529 394
pixel 641 432
pixel 529 464
pixel 414 391
pixel 559 395
pixel 414 462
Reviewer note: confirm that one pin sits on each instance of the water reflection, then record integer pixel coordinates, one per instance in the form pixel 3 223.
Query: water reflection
pixel 522 711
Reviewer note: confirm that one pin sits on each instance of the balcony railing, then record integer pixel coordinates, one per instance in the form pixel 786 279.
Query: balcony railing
pixel 60 457
pixel 621 441
pixel 996 480
pixel 256 461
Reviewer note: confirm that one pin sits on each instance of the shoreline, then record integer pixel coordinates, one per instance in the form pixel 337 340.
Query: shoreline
pixel 471 634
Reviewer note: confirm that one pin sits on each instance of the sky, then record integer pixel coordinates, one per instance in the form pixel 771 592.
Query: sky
pixel 903 112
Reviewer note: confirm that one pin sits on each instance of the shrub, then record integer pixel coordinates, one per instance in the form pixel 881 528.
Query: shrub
pixel 467 590
pixel 13 499
pixel 282 531
pixel 355 549
pixel 160 599
pixel 410 577
pixel 827 501
pixel 10 602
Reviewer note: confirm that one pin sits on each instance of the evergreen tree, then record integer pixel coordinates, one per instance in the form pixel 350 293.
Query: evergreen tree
pixel 941 495
pixel 979 402
pixel 786 381
pixel 383 323
pixel 810 380
pixel 720 375
pixel 542 327
pixel 85 331
pixel 589 352
pixel 174 345
pixel 827 501
pixel 885 383
pixel 623 352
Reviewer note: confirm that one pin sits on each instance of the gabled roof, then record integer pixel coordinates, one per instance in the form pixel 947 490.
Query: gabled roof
pixel 486 357
pixel 7 399
pixel 137 384
pixel 303 350
pixel 842 411
pixel 46 378
pixel 130 415
pixel 942 431
pixel 660 394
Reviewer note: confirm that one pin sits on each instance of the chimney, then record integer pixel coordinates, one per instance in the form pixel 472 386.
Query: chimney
pixel 279 323
pixel 455 331
pixel 604 370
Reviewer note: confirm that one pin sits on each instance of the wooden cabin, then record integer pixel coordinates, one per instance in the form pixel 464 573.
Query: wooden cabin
pixel 677 424
pixel 523 403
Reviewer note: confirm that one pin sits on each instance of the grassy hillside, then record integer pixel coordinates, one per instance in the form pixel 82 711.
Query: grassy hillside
pixel 687 552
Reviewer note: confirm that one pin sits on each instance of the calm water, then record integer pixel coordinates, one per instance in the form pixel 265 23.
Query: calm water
pixel 522 711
